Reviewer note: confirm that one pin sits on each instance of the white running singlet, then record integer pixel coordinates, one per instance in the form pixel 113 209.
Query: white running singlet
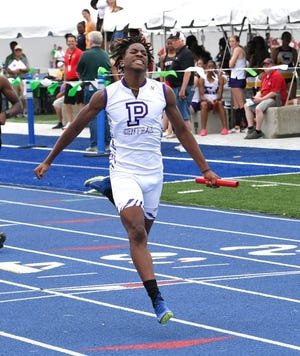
pixel 135 127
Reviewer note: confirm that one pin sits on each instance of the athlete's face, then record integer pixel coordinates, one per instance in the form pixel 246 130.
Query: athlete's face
pixel 136 57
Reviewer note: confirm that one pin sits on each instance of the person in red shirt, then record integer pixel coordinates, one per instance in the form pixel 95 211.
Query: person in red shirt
pixel 72 57
pixel 273 92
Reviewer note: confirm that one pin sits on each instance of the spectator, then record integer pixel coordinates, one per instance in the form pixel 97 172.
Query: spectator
pixel 256 52
pixel 60 72
pixel 112 34
pixel 211 92
pixel 17 67
pixel 272 84
pixel 52 56
pixel 81 38
pixel 183 83
pixel 268 41
pixel 100 6
pixel 195 105
pixel 9 94
pixel 72 57
pixel 223 56
pixel 259 52
pixel 10 57
pixel 166 60
pixel 89 24
pixel 59 56
pixel 285 54
pixel 136 167
pixel 237 83
pixel 58 107
pixel 87 68
pixel 198 50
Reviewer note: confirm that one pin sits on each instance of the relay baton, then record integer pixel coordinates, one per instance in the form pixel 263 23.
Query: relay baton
pixel 219 182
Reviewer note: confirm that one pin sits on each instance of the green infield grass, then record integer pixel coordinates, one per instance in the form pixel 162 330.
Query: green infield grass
pixel 275 195
pixel 38 119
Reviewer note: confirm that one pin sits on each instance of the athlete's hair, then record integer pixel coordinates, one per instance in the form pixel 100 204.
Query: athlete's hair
pixel 121 46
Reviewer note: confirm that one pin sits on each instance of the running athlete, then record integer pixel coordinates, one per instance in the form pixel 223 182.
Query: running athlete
pixel 134 106
pixel 9 93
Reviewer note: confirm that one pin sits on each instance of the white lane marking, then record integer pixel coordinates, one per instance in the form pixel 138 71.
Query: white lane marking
pixel 40 344
pixel 157 222
pixel 191 191
pixel 175 278
pixel 200 266
pixel 175 320
pixel 257 164
pixel 241 163
pixel 246 291
pixel 55 164
pixel 25 299
pixel 79 290
pixel 68 275
pixel 150 243
pixel 197 208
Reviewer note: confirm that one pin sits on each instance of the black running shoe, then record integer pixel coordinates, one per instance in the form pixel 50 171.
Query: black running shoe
pixel 58 126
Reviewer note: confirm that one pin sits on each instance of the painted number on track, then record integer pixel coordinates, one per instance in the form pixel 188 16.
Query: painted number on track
pixel 267 250
pixel 17 267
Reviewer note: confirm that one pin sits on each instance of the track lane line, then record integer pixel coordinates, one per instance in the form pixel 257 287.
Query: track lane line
pixel 175 320
pixel 40 344
pixel 162 275
pixel 39 206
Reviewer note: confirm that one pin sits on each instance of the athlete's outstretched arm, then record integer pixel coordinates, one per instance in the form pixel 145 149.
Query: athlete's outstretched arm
pixel 186 138
pixel 81 120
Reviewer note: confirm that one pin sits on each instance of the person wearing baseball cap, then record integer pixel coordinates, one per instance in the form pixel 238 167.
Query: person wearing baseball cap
pixel 183 83
pixel 273 87
pixel 17 67
pixel 177 35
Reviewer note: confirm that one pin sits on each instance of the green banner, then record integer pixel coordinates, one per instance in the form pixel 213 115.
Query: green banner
pixel 52 88
pixel 73 91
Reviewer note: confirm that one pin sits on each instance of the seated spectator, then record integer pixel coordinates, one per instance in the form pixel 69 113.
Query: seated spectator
pixel 58 107
pixel 60 71
pixel 195 105
pixel 272 86
pixel 211 92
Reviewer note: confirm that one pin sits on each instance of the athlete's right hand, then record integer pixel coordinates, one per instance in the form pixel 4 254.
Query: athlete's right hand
pixel 41 170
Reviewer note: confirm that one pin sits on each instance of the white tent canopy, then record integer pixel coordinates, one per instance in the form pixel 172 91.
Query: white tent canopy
pixel 35 18
pixel 191 13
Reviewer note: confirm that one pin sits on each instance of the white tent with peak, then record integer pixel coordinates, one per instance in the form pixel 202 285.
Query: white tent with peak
pixel 34 18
